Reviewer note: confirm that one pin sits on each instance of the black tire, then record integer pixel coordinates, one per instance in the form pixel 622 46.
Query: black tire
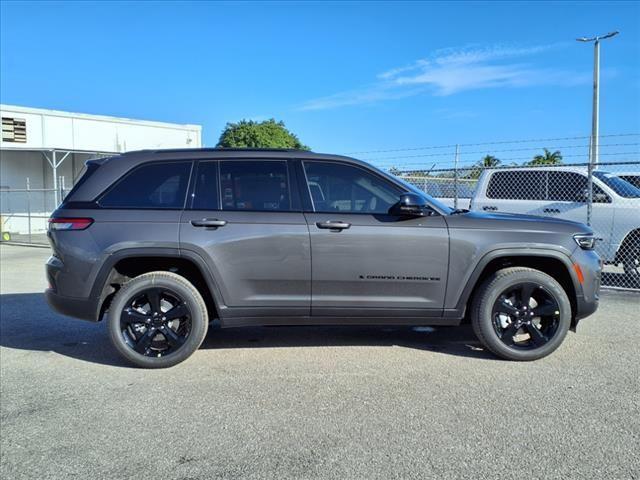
pixel 631 261
pixel 186 338
pixel 488 324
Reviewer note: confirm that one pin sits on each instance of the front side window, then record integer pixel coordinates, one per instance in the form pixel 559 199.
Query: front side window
pixel 517 185
pixel 335 187
pixel 255 185
pixel 569 187
pixel 158 185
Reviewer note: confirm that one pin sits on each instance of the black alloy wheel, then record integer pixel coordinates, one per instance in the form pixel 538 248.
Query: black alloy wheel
pixel 526 316
pixel 155 322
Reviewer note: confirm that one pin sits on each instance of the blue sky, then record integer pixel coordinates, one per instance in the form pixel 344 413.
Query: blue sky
pixel 346 77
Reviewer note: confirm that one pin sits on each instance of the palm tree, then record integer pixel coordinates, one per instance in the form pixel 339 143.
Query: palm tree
pixel 489 161
pixel 547 158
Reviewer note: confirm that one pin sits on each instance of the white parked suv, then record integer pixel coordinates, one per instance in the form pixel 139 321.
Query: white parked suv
pixel 562 192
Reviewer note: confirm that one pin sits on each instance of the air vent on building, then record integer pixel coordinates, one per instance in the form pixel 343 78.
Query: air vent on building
pixel 14 130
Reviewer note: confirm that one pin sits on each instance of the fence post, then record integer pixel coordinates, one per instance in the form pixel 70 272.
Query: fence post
pixel 455 180
pixel 590 183
pixel 29 208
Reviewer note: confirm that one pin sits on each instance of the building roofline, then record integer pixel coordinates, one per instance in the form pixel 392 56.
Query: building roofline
pixel 99 118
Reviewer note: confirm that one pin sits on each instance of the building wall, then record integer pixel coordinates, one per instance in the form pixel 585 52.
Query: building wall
pixel 50 129
pixel 77 131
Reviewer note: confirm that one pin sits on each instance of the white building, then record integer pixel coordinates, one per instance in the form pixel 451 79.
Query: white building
pixel 45 150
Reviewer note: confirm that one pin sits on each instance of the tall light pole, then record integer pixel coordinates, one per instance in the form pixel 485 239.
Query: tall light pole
pixel 594 145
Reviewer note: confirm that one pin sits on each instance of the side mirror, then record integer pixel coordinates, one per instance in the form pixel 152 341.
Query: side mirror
pixel 600 198
pixel 412 205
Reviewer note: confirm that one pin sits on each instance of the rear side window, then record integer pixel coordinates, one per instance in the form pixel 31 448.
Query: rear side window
pixel 205 196
pixel 255 186
pixel 156 185
pixel 517 185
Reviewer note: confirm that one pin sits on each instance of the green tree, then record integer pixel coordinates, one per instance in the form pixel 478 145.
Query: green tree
pixel 489 161
pixel 250 134
pixel 547 158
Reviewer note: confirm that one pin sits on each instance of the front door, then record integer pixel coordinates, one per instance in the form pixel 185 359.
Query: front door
pixel 566 195
pixel 242 222
pixel 365 261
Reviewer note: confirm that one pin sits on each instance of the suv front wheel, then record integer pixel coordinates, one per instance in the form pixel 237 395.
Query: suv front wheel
pixel 157 320
pixel 521 314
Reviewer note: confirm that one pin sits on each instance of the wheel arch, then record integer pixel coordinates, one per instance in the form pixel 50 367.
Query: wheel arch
pixel 633 236
pixel 555 264
pixel 129 263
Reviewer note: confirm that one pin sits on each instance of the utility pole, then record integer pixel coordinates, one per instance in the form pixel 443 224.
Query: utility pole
pixel 594 145
pixel 455 180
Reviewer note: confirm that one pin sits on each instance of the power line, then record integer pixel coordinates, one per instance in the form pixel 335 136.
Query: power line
pixel 471 163
pixel 501 142
pixel 481 152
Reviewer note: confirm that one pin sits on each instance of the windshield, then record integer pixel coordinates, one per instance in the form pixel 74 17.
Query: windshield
pixel 621 187
pixel 439 205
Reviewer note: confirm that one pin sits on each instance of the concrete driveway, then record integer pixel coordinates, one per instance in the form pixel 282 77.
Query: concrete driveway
pixel 312 402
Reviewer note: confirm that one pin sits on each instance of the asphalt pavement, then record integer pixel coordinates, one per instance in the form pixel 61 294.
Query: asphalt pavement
pixel 306 402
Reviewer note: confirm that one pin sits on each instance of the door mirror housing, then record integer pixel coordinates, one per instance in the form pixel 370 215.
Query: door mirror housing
pixel 598 197
pixel 412 205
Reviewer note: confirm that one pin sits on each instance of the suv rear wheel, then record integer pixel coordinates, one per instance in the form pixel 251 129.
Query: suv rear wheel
pixel 521 314
pixel 157 320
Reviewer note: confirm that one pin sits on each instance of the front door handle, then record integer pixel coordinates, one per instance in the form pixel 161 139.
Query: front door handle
pixel 209 223
pixel 551 210
pixel 332 225
pixel 490 207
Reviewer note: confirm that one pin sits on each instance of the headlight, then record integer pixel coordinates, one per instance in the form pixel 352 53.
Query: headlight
pixel 585 241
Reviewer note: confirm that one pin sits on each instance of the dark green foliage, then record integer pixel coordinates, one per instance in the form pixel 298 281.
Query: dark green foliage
pixel 547 158
pixel 267 134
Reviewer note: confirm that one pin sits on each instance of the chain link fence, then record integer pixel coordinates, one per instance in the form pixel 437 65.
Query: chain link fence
pixel 24 213
pixel 608 201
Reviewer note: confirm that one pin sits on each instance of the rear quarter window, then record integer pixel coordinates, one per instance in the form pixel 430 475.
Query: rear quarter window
pixel 151 186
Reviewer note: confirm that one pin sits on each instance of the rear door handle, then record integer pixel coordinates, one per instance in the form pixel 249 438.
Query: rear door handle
pixel 209 223
pixel 551 210
pixel 490 207
pixel 332 225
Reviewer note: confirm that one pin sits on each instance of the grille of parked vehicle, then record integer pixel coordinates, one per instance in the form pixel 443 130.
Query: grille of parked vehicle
pixel 559 191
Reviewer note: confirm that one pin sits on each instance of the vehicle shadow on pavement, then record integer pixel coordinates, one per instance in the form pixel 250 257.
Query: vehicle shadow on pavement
pixel 27 323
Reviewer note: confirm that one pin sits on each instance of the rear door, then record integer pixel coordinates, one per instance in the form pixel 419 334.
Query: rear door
pixel 245 221
pixel 366 262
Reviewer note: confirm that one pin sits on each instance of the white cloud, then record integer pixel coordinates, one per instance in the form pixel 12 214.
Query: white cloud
pixel 454 70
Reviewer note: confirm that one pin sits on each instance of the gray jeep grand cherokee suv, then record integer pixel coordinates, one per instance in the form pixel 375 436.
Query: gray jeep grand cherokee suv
pixel 162 242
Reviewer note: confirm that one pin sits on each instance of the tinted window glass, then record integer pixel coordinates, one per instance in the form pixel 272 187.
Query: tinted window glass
pixel 158 185
pixel 621 187
pixel 517 185
pixel 567 187
pixel 205 195
pixel 336 187
pixel 261 186
pixel 632 179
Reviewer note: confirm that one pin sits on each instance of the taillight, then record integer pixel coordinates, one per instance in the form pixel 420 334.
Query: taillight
pixel 69 223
